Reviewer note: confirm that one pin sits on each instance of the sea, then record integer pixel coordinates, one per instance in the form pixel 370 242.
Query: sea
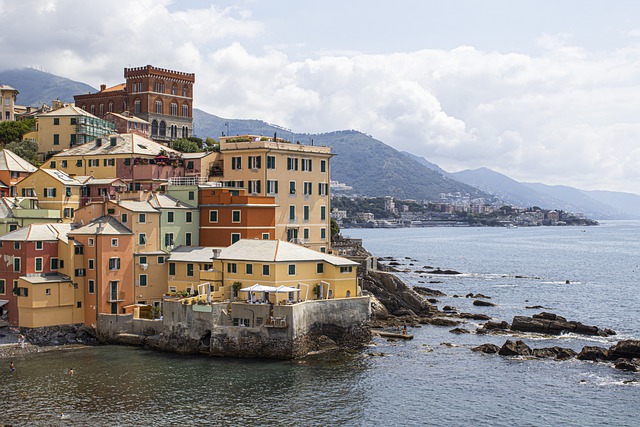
pixel 588 274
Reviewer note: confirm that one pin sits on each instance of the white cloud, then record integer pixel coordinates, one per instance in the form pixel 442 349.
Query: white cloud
pixel 564 115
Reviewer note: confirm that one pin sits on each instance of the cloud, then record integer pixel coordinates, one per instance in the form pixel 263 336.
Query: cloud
pixel 563 115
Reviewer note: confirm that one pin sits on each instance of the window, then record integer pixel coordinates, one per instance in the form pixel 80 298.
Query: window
pixel 47 291
pixel 254 186
pixel 255 162
pixel 265 269
pixel 232 267
pixel 323 213
pixel 114 263
pixel 306 165
pixel 94 162
pixel 187 239
pixel 53 263
pixel 346 269
pixel 92 286
pixel 235 216
pixel 78 163
pixel 265 236
pixel 124 218
pixel 142 218
pixel 172 268
pixel 67 191
pixel 63 163
pixel 80 272
pixel 109 162
pixel 323 165
pixel 323 233
pixel 185 110
pixel 142 239
pixel 136 106
pixel 292 164
pixel 78 250
pixel 271 162
pixel 323 189
pixel 192 195
pixel 319 268
pixel 160 260
pixel 189 270
pixel 292 213
pixel 73 120
pixel 292 269
pixel 159 107
pixel 91 264
pixel 78 304
pixel 174 109
pixel 305 233
pixel 49 192
pixel 248 268
pixel 188 217
pixel 16 245
pixel 213 216
pixel 38 264
pixel 90 242
pixel 305 213
pixel 16 265
pixel 235 237
pixel 170 217
pixel 292 187
pixel 3 286
pixel 68 212
pixel 272 187
pixel 114 243
pixel 142 280
pixel 168 239
pixel 307 189
pixel 236 163
pixel 56 121
pixel 39 245
pixel 142 260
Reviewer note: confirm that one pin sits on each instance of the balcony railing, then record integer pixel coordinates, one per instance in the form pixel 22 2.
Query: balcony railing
pixel 116 296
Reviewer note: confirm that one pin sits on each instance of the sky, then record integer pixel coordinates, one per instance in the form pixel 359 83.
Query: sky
pixel 542 91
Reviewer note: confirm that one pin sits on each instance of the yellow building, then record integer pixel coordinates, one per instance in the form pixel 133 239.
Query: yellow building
pixel 296 175
pixel 276 264
pixel 55 190
pixel 186 264
pixel 8 96
pixel 50 300
pixel 67 127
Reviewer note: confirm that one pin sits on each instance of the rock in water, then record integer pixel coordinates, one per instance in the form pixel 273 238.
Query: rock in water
pixel 481 303
pixel 626 349
pixel 518 348
pixel 487 348
pixel 632 365
pixel 594 353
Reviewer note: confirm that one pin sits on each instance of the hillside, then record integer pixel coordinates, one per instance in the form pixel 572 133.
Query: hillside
pixel 37 87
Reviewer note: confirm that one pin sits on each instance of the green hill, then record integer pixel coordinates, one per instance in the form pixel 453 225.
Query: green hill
pixel 37 87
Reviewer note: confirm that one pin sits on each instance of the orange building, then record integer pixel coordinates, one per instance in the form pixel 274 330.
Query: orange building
pixel 228 215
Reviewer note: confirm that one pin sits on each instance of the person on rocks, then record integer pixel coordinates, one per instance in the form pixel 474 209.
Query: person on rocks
pixel 404 329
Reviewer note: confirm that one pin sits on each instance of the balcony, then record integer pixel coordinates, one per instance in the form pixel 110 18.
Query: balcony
pixel 116 297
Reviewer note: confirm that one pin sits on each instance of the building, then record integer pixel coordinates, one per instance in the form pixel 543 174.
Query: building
pixel 8 97
pixel 29 274
pixel 185 266
pixel 228 215
pixel 296 175
pixel 126 123
pixel 161 97
pixel 18 212
pixel 13 169
pixel 65 128
pixel 54 190
pixel 178 221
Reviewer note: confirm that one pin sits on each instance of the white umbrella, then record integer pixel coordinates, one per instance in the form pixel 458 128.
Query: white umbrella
pixel 258 288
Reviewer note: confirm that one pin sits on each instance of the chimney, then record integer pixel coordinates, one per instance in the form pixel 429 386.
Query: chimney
pixel 102 87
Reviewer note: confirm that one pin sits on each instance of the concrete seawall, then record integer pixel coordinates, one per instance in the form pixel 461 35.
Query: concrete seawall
pixel 245 330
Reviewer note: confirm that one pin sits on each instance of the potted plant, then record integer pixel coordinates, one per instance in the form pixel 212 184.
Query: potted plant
pixel 235 288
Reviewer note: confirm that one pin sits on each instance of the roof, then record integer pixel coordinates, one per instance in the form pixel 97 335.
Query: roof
pixel 62 177
pixel 106 225
pixel 69 110
pixel 7 87
pixel 199 155
pixel 137 206
pixel 193 253
pixel 126 143
pixel 9 161
pixel 277 251
pixel 103 181
pixel 46 278
pixel 128 118
pixel 162 201
pixel 39 232
pixel 119 86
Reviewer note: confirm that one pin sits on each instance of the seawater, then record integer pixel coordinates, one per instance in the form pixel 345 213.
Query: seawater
pixel 432 380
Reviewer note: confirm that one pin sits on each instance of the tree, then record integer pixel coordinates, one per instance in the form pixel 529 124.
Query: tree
pixel 26 149
pixel 14 131
pixel 187 145
pixel 335 229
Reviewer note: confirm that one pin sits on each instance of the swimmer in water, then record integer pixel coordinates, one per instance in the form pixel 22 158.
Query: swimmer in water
pixel 11 367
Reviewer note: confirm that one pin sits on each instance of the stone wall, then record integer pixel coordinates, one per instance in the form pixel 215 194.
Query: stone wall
pixel 111 325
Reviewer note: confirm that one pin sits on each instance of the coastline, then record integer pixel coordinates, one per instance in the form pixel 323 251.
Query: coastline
pixel 9 351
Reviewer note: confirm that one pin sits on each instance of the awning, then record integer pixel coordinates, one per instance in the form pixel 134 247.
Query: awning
pixel 258 288
pixel 3 302
pixel 286 289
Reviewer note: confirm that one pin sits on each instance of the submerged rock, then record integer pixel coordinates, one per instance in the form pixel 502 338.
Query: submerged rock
pixel 428 291
pixel 460 331
pixel 632 365
pixel 481 303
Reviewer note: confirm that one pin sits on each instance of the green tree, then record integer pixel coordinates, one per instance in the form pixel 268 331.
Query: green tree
pixel 186 145
pixel 25 149
pixel 14 131
pixel 335 229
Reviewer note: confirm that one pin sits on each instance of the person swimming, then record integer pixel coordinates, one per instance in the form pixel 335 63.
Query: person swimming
pixel 70 371
pixel 11 367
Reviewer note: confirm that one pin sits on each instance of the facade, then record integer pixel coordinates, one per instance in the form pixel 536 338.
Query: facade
pixel 8 97
pixel 67 127
pixel 18 212
pixel 228 215
pixel 126 123
pixel 54 190
pixel 296 175
pixel 161 97
pixel 13 169
pixel 178 222
pixel 30 251
pixel 186 265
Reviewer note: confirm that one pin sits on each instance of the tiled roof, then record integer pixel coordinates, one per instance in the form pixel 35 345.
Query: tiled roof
pixel 9 161
pixel 119 86
pixel 162 201
pixel 106 225
pixel 126 143
pixel 193 253
pixel 69 110
pixel 39 232
pixel 129 118
pixel 137 206
pixel 62 177
pixel 277 251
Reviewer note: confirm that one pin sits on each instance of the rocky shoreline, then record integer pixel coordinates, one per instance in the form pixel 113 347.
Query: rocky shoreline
pixel 394 303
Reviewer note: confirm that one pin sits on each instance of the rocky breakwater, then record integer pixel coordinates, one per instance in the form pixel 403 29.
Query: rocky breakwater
pixel 545 323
